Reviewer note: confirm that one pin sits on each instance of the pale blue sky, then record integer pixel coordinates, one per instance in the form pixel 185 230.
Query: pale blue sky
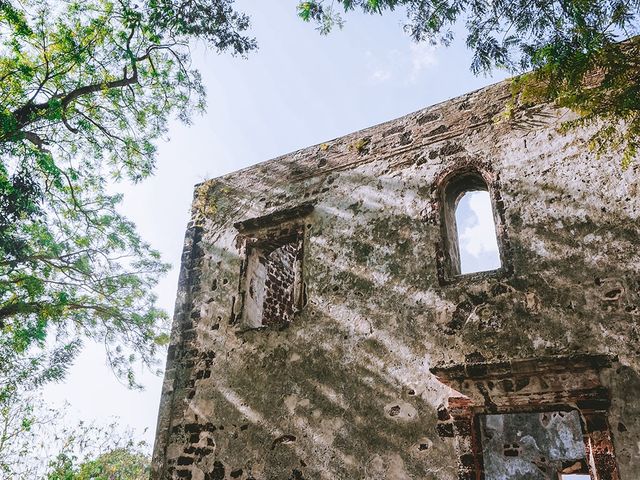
pixel 476 233
pixel 298 89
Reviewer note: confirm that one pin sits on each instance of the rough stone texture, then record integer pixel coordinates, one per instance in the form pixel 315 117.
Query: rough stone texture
pixel 345 391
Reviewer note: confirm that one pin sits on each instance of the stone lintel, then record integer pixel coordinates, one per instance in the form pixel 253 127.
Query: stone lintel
pixel 274 218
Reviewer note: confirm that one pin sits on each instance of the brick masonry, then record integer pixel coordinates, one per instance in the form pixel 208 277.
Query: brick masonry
pixel 354 386
pixel 279 299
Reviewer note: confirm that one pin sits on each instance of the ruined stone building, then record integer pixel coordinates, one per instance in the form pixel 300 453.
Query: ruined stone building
pixel 324 330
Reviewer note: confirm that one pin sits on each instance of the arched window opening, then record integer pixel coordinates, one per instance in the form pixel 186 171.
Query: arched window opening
pixel 469 227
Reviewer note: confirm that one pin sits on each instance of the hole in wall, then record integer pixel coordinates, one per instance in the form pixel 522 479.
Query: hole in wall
pixel 533 446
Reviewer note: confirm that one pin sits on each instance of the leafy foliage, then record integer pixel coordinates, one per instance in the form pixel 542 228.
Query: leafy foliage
pixel 583 53
pixel 124 463
pixel 35 443
pixel 86 89
pixel 18 420
pixel 603 87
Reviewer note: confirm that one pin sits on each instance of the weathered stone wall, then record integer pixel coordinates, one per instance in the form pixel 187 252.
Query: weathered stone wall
pixel 344 391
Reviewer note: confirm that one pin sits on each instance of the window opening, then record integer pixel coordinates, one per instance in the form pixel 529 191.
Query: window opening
pixel 273 280
pixel 533 446
pixel 476 229
pixel 516 417
pixel 468 225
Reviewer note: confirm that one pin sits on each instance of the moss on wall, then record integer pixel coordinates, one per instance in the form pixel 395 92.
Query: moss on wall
pixel 344 392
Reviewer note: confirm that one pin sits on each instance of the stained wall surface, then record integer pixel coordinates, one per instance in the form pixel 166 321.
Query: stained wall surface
pixel 537 444
pixel 345 390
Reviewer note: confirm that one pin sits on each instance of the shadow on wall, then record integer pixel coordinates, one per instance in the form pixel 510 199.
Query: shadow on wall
pixel 344 391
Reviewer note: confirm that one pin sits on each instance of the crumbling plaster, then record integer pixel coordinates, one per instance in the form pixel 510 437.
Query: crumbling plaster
pixel 344 391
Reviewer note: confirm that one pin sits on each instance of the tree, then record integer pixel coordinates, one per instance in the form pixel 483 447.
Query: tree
pixel 18 420
pixel 86 89
pixel 582 54
pixel 122 463
pixel 36 444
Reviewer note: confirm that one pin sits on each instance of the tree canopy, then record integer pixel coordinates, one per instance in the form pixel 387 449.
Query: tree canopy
pixel 123 463
pixel 86 90
pixel 582 54
pixel 38 442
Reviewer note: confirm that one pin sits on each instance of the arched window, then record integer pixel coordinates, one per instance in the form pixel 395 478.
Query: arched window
pixel 469 225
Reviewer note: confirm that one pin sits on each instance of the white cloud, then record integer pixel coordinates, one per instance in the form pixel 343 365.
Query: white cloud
pixel 479 234
pixel 380 76
pixel 423 55
pixel 403 66
pixel 382 68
